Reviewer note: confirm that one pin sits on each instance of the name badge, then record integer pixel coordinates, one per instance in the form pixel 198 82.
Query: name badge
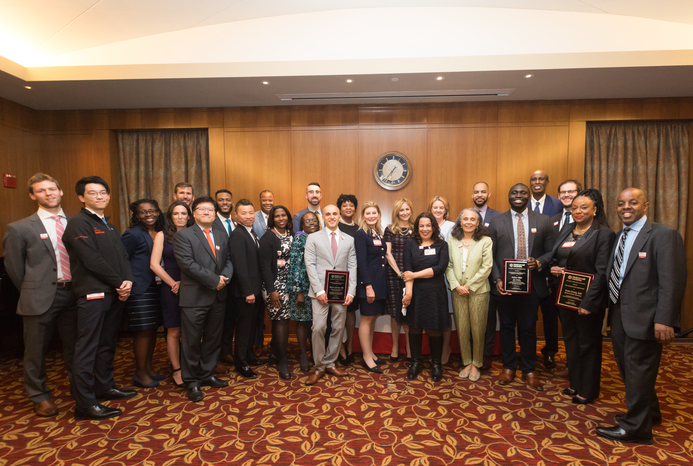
pixel 95 296
pixel 569 244
pixel 157 279
pixel 556 223
pixel 430 252
pixel 533 230
pixel 218 248
pixel 642 255
pixel 421 247
pixel 377 242
pixel 281 262
pixel 44 235
pixel 486 225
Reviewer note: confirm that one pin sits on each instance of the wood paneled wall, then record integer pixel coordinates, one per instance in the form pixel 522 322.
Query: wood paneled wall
pixel 450 146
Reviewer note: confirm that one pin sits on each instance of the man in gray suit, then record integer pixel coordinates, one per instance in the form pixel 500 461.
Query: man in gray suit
pixel 39 266
pixel 202 254
pixel 313 196
pixel 266 204
pixel 647 281
pixel 328 249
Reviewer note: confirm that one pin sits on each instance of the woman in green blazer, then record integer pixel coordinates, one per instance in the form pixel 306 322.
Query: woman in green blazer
pixel 471 260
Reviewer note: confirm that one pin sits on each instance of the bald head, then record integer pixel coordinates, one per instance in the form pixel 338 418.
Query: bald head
pixel 538 183
pixel 331 216
pixel 632 205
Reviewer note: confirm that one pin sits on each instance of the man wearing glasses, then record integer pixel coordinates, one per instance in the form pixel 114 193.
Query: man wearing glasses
pixel 202 253
pixel 566 193
pixel 101 280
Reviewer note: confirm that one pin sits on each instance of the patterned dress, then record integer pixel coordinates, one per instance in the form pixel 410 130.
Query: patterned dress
pixel 297 280
pixel 393 303
pixel 280 283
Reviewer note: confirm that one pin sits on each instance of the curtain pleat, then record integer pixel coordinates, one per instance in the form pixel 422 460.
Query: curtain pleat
pixel 151 163
pixel 652 156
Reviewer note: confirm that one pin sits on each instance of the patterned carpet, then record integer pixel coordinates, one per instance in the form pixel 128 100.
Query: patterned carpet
pixel 362 420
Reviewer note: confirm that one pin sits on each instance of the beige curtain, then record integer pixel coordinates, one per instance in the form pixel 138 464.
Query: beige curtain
pixel 652 156
pixel 151 163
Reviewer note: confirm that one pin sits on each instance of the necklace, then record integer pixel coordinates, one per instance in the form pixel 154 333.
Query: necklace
pixel 279 234
pixel 348 224
pixel 578 232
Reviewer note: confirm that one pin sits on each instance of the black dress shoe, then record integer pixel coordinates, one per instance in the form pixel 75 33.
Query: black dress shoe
pixel 394 358
pixel 214 383
pixel 620 435
pixel 350 358
pixel 375 368
pixel 195 394
pixel 569 392
pixel 344 361
pixel 258 362
pixel 380 362
pixel 549 362
pixel 619 417
pixel 96 413
pixel 581 401
pixel 247 372
pixel 284 372
pixel 116 394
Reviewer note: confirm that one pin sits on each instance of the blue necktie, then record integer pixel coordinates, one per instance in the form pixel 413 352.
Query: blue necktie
pixel 228 225
pixel 536 208
pixel 104 220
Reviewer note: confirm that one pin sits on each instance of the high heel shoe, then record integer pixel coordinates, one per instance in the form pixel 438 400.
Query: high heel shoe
pixel 272 360
pixel 379 361
pixel 138 383
pixel 581 401
pixel 374 369
pixel 158 377
pixel 179 385
pixel 569 392
pixel 283 370
pixel 394 358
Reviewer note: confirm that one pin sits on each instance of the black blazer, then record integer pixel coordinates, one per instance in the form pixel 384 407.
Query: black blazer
pixel 540 244
pixel 371 264
pixel 590 255
pixel 654 281
pixel 490 215
pixel 222 225
pixel 199 268
pixel 247 278
pixel 269 245
pixel 139 245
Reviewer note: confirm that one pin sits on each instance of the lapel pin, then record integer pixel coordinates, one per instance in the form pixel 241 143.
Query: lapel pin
pixel 533 230
pixel 642 255
pixel 44 235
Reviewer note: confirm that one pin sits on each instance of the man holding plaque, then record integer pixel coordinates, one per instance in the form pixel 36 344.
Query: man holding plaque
pixel 331 266
pixel 522 243
pixel 646 281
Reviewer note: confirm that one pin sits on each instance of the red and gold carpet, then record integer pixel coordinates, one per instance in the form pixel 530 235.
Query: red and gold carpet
pixel 361 420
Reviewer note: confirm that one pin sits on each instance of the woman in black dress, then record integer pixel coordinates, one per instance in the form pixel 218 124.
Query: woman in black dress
pixel 347 204
pixel 585 246
pixel 178 218
pixel 143 307
pixel 275 251
pixel 371 285
pixel 426 297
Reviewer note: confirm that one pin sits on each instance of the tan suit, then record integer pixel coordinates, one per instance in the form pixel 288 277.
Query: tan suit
pixel 470 311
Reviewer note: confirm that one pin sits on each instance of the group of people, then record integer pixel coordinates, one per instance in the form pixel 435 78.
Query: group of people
pixel 207 269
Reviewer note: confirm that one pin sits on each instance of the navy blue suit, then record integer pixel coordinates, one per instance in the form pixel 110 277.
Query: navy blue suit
pixel 371 265
pixel 138 244
pixel 552 205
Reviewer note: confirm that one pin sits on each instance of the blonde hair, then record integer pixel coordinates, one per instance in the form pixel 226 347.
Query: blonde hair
pixel 446 204
pixel 362 224
pixel 394 227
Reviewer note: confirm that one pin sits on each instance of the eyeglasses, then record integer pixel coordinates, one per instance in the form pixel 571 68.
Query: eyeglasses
pixel 561 193
pixel 147 212
pixel 205 209
pixel 97 193
pixel 311 220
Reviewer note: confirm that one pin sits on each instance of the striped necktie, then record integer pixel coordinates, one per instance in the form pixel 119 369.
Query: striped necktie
pixel 62 252
pixel 615 278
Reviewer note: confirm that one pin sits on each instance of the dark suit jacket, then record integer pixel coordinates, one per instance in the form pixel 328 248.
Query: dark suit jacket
pixel 269 245
pixel 552 206
pixel 654 281
pixel 490 214
pixel 199 268
pixel 245 256
pixel 30 263
pixel 590 255
pixel 371 265
pixel 139 245
pixel 540 245
pixel 222 225
pixel 297 219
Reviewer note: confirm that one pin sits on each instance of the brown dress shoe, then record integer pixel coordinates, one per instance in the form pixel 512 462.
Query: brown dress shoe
pixel 336 372
pixel 314 377
pixel 506 377
pixel 563 373
pixel 220 369
pixel 488 362
pixel 227 359
pixel 46 408
pixel 533 381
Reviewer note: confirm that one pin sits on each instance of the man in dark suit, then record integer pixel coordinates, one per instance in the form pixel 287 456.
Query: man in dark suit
pixel 542 203
pixel 37 262
pixel 261 216
pixel 567 191
pixel 313 196
pixel 480 195
pixel 101 280
pixel 201 251
pixel 224 220
pixel 526 235
pixel 647 281
pixel 246 287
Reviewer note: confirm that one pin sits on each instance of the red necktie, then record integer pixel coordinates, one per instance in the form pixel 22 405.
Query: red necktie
pixel 209 240
pixel 62 252
pixel 334 245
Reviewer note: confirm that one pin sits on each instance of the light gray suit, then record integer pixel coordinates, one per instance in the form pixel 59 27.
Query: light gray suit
pixel 319 259
pixel 32 267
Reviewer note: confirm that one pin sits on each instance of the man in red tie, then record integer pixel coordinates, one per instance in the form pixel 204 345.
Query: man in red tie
pixel 38 265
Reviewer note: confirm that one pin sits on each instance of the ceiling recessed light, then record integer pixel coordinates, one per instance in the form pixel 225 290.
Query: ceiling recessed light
pixel 439 78
pixel 265 82
pixel 27 87
pixel 394 80
pixel 350 80
pixel 528 76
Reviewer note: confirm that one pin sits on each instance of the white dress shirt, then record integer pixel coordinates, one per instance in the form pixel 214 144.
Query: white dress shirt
pixel 49 224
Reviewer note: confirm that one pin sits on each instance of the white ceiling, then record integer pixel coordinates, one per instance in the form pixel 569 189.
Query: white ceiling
pixel 171 53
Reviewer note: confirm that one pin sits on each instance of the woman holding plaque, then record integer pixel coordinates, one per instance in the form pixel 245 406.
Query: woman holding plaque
pixel 471 261
pixel 426 297
pixel 275 250
pixel 371 285
pixel 299 285
pixel 584 246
